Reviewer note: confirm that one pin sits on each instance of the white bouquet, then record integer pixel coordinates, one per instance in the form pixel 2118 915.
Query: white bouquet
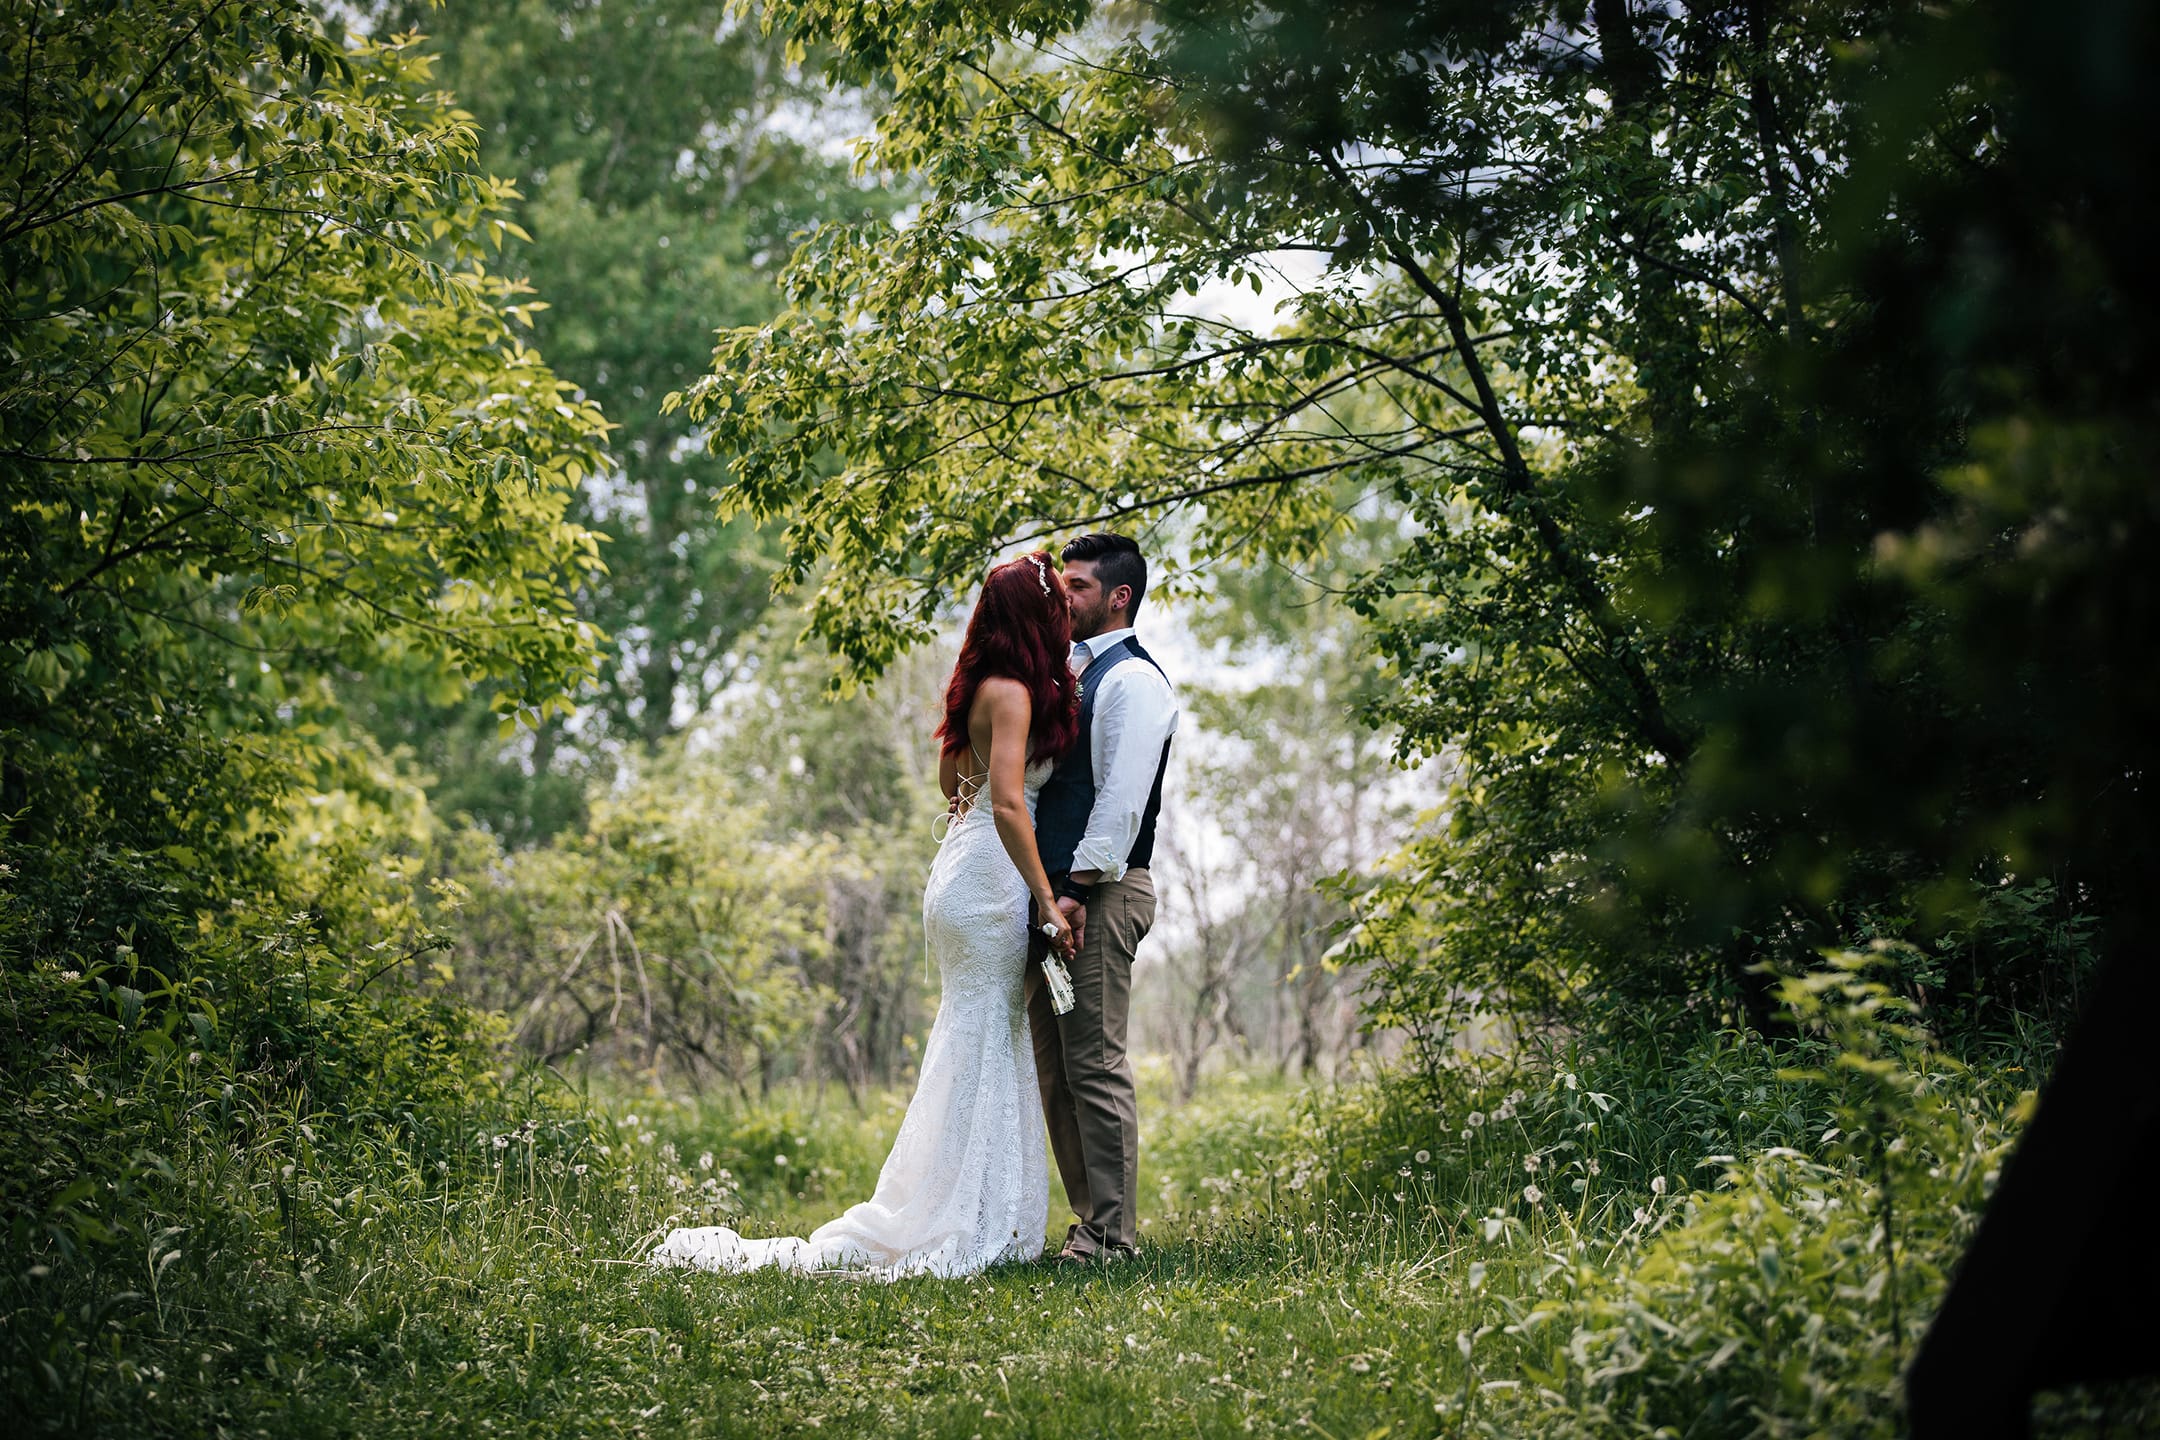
pixel 1059 979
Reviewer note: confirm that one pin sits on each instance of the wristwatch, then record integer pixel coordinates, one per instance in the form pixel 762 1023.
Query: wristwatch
pixel 1072 889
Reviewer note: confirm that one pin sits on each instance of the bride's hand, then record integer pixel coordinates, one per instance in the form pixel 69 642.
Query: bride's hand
pixel 1065 941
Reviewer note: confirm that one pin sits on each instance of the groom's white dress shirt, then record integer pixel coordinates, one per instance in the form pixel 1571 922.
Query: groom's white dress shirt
pixel 1135 712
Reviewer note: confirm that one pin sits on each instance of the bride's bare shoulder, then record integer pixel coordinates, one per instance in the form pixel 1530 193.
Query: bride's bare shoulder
pixel 1002 690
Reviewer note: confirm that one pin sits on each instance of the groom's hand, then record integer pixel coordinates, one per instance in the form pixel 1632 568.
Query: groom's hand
pixel 1075 915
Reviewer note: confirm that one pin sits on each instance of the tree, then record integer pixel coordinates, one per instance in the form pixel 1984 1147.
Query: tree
pixel 1597 300
pixel 267 416
pixel 661 172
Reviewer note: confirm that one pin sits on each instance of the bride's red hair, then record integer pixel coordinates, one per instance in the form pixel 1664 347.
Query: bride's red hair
pixel 1022 630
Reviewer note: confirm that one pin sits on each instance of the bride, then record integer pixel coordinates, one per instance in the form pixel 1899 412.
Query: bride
pixel 966 1184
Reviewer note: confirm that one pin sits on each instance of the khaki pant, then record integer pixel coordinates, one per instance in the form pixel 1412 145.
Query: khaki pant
pixel 1087 1083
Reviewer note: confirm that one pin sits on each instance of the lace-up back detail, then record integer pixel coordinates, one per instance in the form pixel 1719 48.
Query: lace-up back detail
pixel 970 788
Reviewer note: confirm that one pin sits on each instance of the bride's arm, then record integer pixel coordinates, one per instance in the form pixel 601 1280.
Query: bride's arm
pixel 1007 706
pixel 948 773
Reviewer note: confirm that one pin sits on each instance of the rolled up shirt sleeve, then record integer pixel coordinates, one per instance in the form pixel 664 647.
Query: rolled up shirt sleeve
pixel 1135 713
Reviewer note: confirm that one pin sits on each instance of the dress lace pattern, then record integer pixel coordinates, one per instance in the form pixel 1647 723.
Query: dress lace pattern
pixel 967 1183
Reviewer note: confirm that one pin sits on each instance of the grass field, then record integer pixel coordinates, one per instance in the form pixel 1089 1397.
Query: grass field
pixel 512 1300
pixel 1304 1272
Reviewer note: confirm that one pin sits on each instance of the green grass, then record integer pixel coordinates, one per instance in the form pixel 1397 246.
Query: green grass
pixel 1334 1263
pixel 484 1301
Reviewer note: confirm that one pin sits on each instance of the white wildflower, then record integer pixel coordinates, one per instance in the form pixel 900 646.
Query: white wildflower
pixel 1532 1194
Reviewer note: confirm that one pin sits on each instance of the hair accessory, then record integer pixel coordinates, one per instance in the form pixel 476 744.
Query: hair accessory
pixel 1042 573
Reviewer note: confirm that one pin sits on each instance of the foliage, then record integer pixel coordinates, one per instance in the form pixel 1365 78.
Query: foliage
pixel 741 904
pixel 1785 1302
pixel 265 404
pixel 664 153
pixel 199 1141
pixel 266 420
pixel 662 928
pixel 1746 583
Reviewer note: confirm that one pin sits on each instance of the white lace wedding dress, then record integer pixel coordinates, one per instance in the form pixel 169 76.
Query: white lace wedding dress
pixel 967 1183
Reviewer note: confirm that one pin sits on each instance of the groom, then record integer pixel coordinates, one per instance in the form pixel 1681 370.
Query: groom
pixel 1095 830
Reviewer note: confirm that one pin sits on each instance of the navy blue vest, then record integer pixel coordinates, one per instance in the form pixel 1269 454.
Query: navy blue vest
pixel 1067 798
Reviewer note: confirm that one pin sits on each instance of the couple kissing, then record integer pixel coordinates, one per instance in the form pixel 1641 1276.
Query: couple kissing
pixel 1055 737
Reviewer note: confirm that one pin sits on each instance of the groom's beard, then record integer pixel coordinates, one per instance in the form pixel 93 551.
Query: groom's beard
pixel 1087 624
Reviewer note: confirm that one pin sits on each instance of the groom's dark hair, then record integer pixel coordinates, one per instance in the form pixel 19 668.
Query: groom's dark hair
pixel 1117 561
